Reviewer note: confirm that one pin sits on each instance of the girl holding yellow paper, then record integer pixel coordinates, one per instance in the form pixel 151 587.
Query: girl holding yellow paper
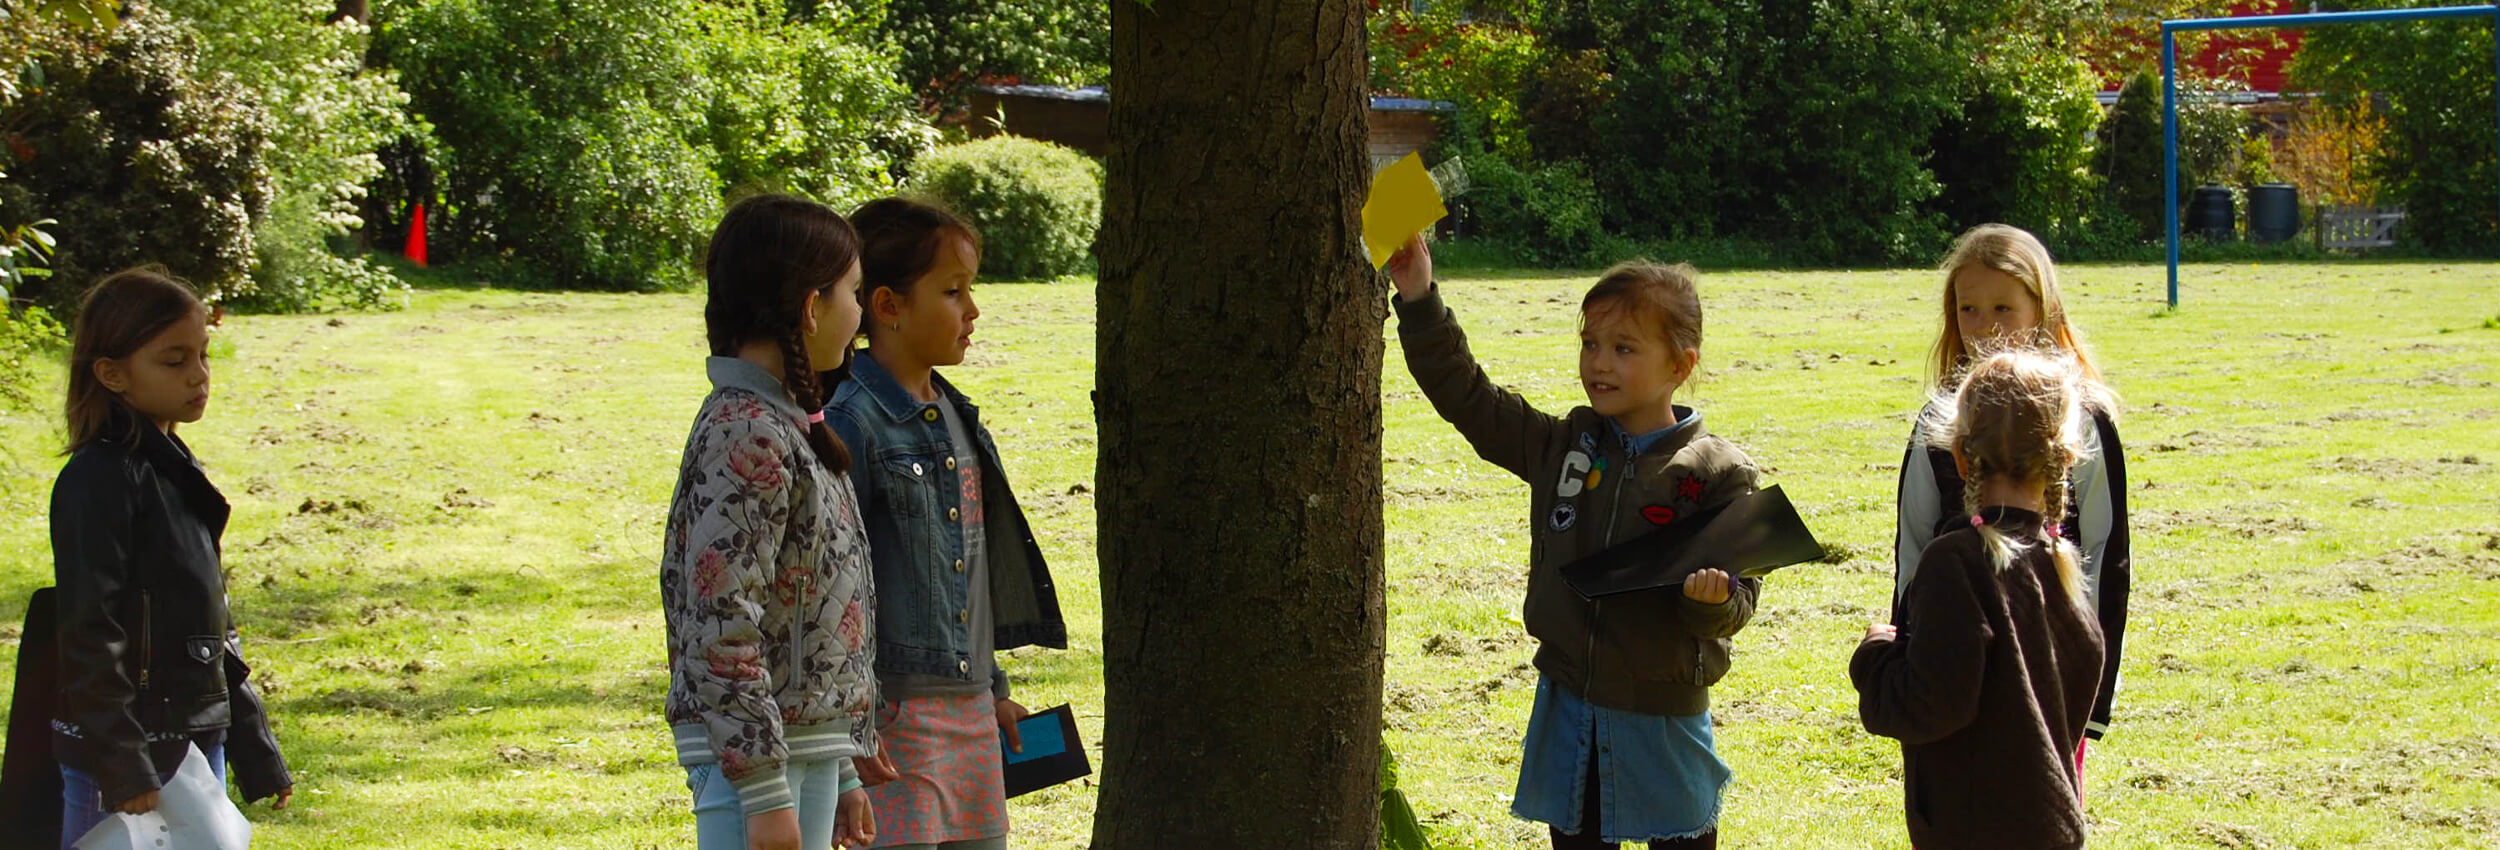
pixel 1618 747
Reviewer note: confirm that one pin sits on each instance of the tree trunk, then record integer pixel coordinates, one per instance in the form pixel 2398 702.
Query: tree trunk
pixel 1238 396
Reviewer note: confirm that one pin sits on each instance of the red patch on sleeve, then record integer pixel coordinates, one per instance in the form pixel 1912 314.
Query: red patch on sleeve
pixel 1658 514
pixel 1690 488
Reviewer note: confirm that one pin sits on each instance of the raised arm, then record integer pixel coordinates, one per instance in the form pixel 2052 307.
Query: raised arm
pixel 1503 427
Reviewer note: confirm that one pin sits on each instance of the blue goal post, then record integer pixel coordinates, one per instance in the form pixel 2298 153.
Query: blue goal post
pixel 2170 87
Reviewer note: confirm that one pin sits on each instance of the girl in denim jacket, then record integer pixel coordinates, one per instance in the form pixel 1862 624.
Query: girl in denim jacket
pixel 959 577
pixel 764 576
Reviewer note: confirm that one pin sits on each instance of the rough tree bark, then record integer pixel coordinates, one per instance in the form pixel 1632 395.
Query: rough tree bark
pixel 1238 395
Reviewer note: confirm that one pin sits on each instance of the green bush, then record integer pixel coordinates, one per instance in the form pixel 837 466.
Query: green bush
pixel 1037 204
pixel 1483 57
pixel 328 116
pixel 2433 81
pixel 1546 215
pixel 2128 159
pixel 139 154
pixel 1803 124
pixel 592 141
pixel 2017 151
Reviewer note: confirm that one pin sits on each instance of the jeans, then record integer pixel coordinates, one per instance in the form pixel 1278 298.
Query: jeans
pixel 720 823
pixel 82 802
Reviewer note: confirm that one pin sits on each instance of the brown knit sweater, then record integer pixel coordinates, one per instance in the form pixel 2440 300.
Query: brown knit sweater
pixel 1988 687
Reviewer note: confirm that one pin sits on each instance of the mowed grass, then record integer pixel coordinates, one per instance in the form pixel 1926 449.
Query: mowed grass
pixel 447 521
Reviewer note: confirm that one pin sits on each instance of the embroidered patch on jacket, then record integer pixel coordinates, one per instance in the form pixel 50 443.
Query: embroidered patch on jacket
pixel 1597 473
pixel 1564 516
pixel 1574 465
pixel 1658 514
pixel 1690 488
pixel 1588 442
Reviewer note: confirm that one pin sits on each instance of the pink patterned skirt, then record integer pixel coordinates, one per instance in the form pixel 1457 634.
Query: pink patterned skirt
pixel 953 786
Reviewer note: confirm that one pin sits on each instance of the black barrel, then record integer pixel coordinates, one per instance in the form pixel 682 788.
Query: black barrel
pixel 2273 213
pixel 2209 214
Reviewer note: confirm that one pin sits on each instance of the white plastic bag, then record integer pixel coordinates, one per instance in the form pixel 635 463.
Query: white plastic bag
pixel 192 813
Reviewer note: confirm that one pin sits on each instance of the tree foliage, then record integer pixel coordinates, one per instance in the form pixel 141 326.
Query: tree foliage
pixel 2432 84
pixel 948 46
pixel 329 115
pixel 138 152
pixel 591 141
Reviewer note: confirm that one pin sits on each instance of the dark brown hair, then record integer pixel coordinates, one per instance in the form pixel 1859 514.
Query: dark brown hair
pixel 117 317
pixel 1661 295
pixel 769 252
pixel 899 241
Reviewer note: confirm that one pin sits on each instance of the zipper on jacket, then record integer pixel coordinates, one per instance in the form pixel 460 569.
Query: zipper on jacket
pixel 1597 607
pixel 147 642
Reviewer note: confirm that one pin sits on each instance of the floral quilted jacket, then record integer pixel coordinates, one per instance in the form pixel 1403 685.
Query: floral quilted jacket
pixel 765 580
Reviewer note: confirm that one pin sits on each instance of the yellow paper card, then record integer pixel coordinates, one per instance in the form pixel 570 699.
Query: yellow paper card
pixel 1403 202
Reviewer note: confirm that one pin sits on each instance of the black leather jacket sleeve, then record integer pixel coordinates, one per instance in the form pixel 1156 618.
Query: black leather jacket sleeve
pixel 101 611
pixel 250 745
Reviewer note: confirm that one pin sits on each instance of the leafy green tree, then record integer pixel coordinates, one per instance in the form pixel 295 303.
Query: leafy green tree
pixel 138 152
pixel 1787 121
pixel 948 46
pixel 591 142
pixel 2018 149
pixel 2433 82
pixel 328 116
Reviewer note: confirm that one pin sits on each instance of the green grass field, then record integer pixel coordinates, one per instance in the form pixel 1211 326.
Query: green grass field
pixel 447 521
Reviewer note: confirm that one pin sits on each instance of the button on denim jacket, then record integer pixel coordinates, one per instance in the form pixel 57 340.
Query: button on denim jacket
pixel 909 500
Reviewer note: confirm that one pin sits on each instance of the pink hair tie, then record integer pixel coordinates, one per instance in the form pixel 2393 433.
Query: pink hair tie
pixel 1976 522
pixel 816 418
pixel 2056 530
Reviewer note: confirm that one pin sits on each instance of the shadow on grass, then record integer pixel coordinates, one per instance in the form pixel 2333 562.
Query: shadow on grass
pixel 288 609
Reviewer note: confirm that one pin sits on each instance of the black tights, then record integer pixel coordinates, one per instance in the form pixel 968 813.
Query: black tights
pixel 1590 837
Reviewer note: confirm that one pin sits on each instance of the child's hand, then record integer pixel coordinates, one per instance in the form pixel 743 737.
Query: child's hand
pixel 1010 714
pixel 1881 631
pixel 774 830
pixel 283 795
pixel 141 804
pixel 876 770
pixel 854 821
pixel 1708 587
pixel 1411 268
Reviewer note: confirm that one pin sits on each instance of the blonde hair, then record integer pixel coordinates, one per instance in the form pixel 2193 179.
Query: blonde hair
pixel 2019 255
pixel 1662 295
pixel 2021 416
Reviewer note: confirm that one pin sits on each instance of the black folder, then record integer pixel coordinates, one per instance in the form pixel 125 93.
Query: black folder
pixel 1750 535
pixel 1052 752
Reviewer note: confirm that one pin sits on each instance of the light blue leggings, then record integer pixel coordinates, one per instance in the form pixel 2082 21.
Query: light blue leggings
pixel 721 824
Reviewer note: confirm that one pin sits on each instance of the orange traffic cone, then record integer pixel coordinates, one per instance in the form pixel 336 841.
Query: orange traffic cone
pixel 416 236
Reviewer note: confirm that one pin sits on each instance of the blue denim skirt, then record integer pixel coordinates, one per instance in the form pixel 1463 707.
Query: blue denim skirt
pixel 1659 777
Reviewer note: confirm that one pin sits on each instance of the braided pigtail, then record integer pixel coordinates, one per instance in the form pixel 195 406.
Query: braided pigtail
pixel 2018 419
pixel 798 376
pixel 2069 569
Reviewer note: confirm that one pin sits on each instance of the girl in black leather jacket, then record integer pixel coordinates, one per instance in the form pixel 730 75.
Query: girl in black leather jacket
pixel 149 658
